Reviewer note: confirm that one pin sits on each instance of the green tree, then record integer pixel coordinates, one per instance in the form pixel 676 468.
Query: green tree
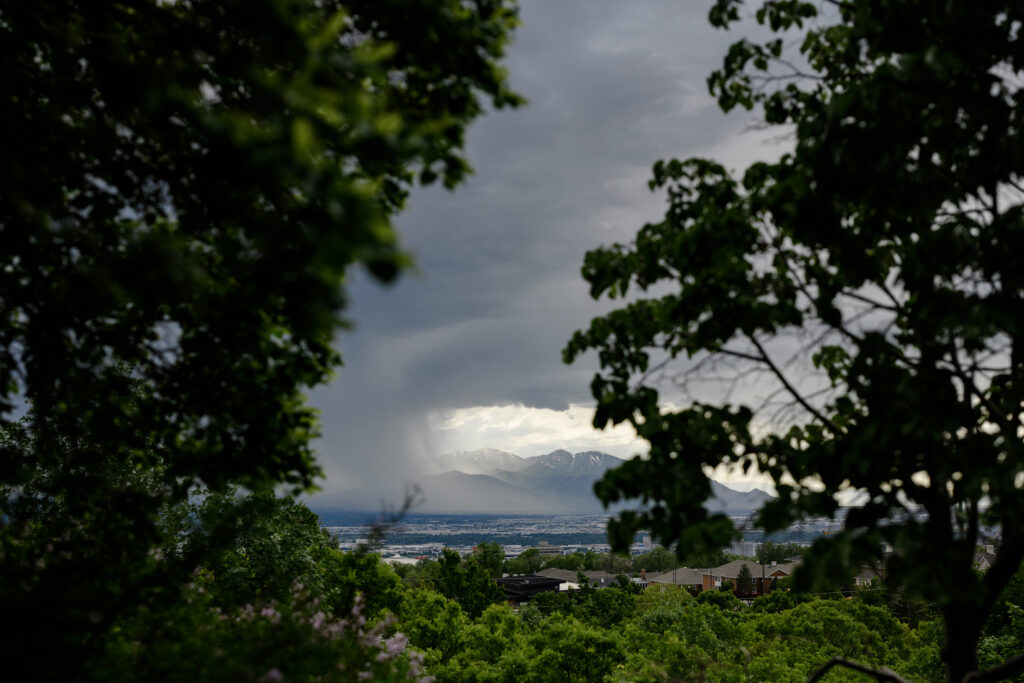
pixel 868 277
pixel 493 636
pixel 612 563
pixel 744 581
pixel 491 557
pixel 777 552
pixel 659 596
pixel 572 562
pixel 549 602
pixel 185 188
pixel 192 640
pixel 527 562
pixel 778 601
pixel 1012 596
pixel 605 607
pixel 272 592
pixel 423 572
pixel 657 559
pixel 258 546
pixel 434 623
pixel 723 599
pixel 792 644
pixel 467 582
pixel 710 557
pixel 623 582
pixel 566 650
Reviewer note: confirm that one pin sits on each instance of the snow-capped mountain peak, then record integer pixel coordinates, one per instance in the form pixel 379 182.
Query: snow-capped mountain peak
pixel 562 461
pixel 562 477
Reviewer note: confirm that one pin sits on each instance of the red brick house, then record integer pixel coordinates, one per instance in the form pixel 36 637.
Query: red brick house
pixel 764 576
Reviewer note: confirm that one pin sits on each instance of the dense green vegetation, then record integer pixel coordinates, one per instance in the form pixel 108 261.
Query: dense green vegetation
pixel 274 600
pixel 270 599
pixel 664 633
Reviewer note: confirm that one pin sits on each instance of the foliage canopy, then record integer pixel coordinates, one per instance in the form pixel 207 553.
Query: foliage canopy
pixel 185 186
pixel 868 278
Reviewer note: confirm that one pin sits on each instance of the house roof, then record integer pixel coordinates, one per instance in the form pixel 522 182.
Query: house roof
pixel 560 574
pixel 527 580
pixel 522 588
pixel 981 559
pixel 600 578
pixel 684 576
pixel 731 570
pixel 866 574
pixel 597 577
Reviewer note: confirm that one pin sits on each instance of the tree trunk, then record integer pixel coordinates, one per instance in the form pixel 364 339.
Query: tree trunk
pixel 963 630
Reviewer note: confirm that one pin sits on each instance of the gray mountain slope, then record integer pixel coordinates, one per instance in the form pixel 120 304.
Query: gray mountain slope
pixel 555 483
pixel 725 498
pixel 480 461
pixel 567 479
pixel 476 493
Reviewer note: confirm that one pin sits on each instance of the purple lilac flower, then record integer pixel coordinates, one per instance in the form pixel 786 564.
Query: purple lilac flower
pixel 272 676
pixel 396 644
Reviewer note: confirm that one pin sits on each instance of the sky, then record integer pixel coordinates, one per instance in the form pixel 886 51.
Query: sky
pixel 465 352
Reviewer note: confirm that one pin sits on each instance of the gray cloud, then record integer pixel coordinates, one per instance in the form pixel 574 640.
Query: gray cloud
pixel 612 87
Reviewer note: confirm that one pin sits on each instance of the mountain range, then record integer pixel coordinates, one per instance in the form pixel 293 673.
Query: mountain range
pixel 493 481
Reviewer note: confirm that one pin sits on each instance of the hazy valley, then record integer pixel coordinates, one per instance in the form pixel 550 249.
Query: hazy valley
pixel 490 481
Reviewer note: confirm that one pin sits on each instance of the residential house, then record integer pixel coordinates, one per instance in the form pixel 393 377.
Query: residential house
pixel 865 577
pixel 601 579
pixel 521 589
pixel 764 576
pixel 692 579
pixel 569 579
pixel 984 560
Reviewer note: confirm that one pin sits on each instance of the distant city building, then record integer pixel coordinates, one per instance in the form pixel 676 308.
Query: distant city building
pixel 545 548
pixel 745 548
pixel 359 543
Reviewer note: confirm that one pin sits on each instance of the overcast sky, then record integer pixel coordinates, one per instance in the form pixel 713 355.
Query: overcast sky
pixel 466 352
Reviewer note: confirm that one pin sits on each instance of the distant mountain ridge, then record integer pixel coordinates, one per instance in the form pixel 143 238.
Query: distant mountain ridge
pixel 488 460
pixel 480 461
pixel 572 475
pixel 725 498
pixel 493 481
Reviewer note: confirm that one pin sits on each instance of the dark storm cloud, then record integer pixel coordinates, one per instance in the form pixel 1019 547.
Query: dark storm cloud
pixel 612 87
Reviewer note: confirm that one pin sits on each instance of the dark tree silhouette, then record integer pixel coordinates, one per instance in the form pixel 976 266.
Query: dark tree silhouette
pixel 868 279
